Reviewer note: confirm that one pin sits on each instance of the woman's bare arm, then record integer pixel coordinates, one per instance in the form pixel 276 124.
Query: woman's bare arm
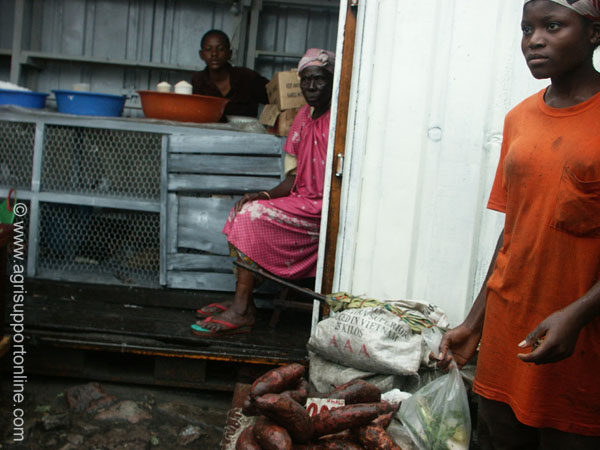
pixel 281 190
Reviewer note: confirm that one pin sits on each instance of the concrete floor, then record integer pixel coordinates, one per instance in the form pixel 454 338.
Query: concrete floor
pixel 58 415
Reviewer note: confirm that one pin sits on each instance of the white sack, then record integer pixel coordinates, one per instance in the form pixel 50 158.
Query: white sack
pixel 326 375
pixel 370 339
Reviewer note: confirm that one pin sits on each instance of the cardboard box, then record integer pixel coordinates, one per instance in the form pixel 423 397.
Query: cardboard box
pixel 279 122
pixel 284 90
pixel 285 121
pixel 269 115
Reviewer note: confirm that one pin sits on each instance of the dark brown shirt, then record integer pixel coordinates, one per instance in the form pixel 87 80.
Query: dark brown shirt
pixel 247 90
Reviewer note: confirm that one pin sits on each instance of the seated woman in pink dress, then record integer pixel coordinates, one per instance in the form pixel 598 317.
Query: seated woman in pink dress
pixel 278 229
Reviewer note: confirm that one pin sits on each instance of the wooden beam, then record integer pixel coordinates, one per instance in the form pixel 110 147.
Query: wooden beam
pixel 30 56
pixel 333 219
pixel 253 33
pixel 17 42
pixel 270 276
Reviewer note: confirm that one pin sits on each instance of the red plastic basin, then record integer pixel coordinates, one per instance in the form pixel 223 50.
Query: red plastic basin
pixel 182 107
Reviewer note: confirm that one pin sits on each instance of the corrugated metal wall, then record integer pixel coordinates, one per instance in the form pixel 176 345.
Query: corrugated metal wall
pixel 6 23
pixel 290 29
pixel 157 33
pixel 432 84
pixel 6 32
pixel 140 30
pixel 148 31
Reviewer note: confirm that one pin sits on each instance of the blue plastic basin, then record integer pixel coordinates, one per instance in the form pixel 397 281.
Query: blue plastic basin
pixel 89 103
pixel 27 99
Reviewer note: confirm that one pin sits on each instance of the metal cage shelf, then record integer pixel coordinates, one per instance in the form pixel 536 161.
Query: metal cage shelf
pixel 113 200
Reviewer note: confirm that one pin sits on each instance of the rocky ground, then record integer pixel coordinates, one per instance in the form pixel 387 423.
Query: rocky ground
pixel 70 414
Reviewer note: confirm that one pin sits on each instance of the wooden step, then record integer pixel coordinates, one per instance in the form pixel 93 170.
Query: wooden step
pixel 143 336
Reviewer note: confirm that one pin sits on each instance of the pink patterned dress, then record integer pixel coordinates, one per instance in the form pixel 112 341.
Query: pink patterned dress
pixel 282 235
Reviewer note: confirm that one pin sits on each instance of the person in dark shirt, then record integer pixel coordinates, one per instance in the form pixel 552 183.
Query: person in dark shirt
pixel 244 88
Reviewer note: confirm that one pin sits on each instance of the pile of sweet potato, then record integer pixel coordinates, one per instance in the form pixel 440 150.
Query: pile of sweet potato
pixel 278 399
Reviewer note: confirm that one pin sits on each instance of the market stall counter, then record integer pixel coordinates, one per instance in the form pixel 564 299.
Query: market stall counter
pixel 131 202
pixel 118 204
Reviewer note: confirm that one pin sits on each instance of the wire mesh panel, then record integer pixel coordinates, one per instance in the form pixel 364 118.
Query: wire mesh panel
pixel 98 245
pixel 102 162
pixel 16 154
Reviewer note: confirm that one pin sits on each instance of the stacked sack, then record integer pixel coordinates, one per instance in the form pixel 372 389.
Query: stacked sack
pixel 381 337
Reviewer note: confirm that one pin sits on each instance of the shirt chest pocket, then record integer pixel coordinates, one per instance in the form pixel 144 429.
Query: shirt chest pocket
pixel 577 209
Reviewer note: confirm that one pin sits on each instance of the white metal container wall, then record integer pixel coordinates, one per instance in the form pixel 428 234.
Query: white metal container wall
pixel 432 83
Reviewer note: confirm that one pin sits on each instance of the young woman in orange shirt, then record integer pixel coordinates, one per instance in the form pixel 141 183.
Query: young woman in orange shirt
pixel 537 317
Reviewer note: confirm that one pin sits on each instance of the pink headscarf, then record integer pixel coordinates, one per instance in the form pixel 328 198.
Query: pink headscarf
pixel 318 57
pixel 587 8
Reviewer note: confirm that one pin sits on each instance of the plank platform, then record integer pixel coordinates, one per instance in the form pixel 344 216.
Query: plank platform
pixel 143 335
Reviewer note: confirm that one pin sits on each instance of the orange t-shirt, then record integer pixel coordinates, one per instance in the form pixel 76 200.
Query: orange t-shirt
pixel 548 184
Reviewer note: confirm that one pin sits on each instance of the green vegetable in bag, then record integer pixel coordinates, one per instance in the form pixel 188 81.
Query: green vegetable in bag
pixel 437 415
pixel 7 213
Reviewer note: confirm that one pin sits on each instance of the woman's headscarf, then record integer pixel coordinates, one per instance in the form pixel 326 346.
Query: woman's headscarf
pixel 318 57
pixel 587 8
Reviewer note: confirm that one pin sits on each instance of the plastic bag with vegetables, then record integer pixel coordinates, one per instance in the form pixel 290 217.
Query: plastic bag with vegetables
pixel 7 212
pixel 437 415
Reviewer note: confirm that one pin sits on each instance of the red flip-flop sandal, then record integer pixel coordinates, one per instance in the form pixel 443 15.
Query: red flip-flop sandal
pixel 209 310
pixel 230 329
